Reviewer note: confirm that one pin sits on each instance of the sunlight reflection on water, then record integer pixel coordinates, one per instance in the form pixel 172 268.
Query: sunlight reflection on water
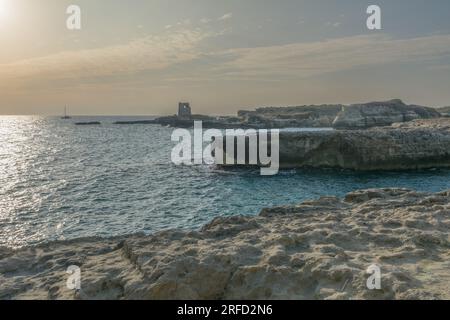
pixel 61 181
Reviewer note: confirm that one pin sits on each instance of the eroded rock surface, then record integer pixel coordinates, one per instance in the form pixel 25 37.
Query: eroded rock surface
pixel 319 249
pixel 420 144
pixel 315 116
pixel 376 114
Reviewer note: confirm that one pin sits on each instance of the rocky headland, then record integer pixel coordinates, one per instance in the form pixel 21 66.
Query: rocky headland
pixel 378 114
pixel 418 144
pixel 319 249
pixel 338 116
pixel 314 116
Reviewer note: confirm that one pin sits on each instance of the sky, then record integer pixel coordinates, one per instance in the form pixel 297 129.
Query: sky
pixel 141 57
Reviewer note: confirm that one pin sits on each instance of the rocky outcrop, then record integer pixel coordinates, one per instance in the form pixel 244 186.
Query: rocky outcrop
pixel 262 118
pixel 222 122
pixel 444 111
pixel 90 123
pixel 359 116
pixel 421 144
pixel 320 116
pixel 375 114
pixel 319 249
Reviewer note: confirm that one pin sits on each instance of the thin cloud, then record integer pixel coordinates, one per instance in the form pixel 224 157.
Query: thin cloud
pixel 226 16
pixel 334 25
pixel 309 59
pixel 143 54
pixel 181 54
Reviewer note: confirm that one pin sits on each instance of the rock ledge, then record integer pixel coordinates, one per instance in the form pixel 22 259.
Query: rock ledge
pixel 319 249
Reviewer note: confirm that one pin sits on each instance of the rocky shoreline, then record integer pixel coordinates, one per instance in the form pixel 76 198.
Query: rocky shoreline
pixel 419 144
pixel 319 249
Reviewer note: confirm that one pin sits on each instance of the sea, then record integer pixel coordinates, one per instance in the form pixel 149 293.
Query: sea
pixel 61 181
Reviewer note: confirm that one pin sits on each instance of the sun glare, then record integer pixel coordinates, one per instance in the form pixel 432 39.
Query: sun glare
pixel 4 12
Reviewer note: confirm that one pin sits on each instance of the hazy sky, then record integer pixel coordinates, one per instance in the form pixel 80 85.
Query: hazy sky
pixel 142 57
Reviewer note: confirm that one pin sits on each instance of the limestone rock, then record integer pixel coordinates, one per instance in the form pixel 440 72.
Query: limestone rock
pixel 385 113
pixel 315 116
pixel 419 144
pixel 319 249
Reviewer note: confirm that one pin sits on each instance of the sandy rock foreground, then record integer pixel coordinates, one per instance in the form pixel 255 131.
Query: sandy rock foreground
pixel 316 250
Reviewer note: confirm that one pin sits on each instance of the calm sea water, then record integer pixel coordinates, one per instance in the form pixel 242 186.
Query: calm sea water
pixel 61 181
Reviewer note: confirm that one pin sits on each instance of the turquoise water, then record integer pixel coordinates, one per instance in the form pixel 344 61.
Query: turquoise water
pixel 61 181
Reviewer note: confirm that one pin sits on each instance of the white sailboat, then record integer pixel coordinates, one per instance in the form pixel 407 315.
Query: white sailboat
pixel 65 114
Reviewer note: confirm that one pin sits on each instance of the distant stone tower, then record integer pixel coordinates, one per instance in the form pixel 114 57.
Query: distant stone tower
pixel 184 110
